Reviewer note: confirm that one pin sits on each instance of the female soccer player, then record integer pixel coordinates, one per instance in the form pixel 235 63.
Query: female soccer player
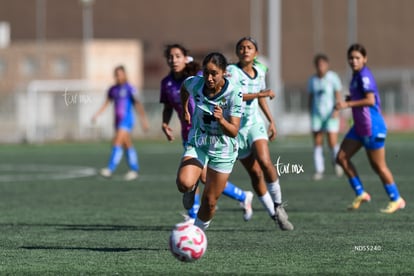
pixel 180 68
pixel 125 97
pixel 253 137
pixel 212 139
pixel 369 131
pixel 324 91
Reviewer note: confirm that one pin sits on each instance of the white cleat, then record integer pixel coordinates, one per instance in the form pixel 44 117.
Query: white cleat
pixel 247 206
pixel 131 175
pixel 105 172
pixel 317 176
pixel 281 218
pixel 339 171
pixel 187 219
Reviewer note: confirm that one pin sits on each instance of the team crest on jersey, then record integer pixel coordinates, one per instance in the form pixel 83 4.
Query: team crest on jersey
pixel 223 104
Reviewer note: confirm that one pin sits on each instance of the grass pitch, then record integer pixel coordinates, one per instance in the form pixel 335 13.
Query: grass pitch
pixel 58 217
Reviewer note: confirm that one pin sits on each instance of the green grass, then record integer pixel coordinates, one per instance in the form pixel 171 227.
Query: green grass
pixel 91 225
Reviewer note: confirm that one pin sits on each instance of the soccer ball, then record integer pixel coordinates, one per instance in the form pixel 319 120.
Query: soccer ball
pixel 188 242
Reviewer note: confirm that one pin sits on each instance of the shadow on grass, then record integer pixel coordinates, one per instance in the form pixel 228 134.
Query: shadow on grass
pixel 96 249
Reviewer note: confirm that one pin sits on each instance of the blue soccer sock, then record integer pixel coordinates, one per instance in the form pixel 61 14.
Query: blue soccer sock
pixel 356 185
pixel 116 156
pixel 132 158
pixel 234 192
pixel 392 191
pixel 192 213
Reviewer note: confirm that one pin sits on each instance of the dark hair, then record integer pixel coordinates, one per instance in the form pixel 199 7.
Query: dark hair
pixel 191 69
pixel 169 47
pixel 320 57
pixel 217 59
pixel 357 47
pixel 120 67
pixel 248 38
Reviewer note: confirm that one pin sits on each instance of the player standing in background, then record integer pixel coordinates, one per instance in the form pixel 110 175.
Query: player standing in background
pixel 253 138
pixel 212 140
pixel 180 68
pixel 125 98
pixel 324 92
pixel 369 131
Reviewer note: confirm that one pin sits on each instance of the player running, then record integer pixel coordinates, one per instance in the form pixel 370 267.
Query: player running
pixel 177 59
pixel 369 131
pixel 324 91
pixel 212 140
pixel 253 138
pixel 125 98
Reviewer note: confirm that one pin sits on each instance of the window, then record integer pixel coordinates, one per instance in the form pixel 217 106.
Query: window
pixel 60 67
pixel 29 66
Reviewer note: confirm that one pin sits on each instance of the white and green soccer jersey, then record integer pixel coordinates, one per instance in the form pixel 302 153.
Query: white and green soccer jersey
pixel 206 132
pixel 323 92
pixel 251 113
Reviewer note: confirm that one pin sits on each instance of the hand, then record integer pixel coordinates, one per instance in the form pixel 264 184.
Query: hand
pixel 168 132
pixel 269 93
pixel 341 105
pixel 272 132
pixel 218 113
pixel 145 125
pixel 187 117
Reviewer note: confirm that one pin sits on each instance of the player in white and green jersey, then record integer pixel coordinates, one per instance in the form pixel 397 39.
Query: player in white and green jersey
pixel 324 90
pixel 253 139
pixel 212 140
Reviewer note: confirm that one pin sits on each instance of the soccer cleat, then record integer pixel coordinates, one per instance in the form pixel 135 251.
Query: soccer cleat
pixel 393 206
pixel 317 176
pixel 339 171
pixel 281 218
pixel 131 175
pixel 105 172
pixel 188 198
pixel 247 206
pixel 187 219
pixel 364 197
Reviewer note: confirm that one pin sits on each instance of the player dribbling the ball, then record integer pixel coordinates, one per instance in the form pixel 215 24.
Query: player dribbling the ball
pixel 369 131
pixel 212 139
pixel 180 68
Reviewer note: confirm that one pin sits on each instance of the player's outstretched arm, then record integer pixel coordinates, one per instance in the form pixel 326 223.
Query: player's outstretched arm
pixel 230 127
pixel 166 118
pixel 139 107
pixel 185 98
pixel 262 94
pixel 100 110
pixel 272 127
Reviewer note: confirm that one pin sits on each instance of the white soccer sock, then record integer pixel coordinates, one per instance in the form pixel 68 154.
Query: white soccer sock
pixel 267 202
pixel 334 152
pixel 318 159
pixel 275 192
pixel 202 224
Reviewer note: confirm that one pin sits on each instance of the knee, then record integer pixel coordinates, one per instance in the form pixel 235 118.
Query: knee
pixel 341 158
pixel 183 184
pixel 265 162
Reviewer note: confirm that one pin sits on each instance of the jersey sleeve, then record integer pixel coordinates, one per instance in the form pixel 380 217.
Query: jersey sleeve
pixel 367 84
pixel 189 84
pixel 232 74
pixel 236 108
pixel 135 94
pixel 163 94
pixel 336 82
pixel 310 86
pixel 110 94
